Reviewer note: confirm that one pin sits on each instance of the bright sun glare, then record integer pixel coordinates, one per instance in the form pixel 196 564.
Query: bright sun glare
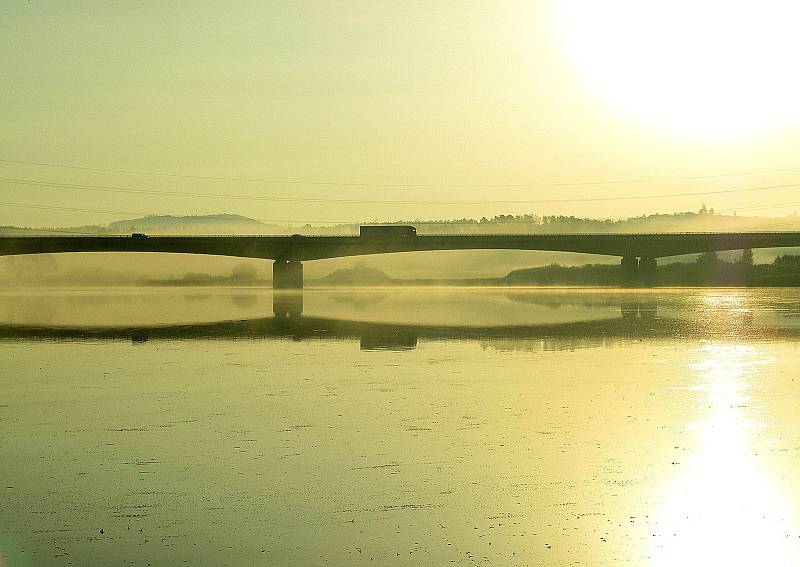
pixel 724 509
pixel 711 69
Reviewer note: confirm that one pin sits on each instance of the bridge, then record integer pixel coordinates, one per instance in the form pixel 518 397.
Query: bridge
pixel 638 252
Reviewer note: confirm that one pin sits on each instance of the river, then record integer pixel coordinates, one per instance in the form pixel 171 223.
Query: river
pixel 429 426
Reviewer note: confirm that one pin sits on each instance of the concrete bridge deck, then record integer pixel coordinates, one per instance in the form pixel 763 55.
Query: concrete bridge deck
pixel 638 251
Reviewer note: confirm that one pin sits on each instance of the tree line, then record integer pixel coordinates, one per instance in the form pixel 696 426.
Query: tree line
pixel 707 269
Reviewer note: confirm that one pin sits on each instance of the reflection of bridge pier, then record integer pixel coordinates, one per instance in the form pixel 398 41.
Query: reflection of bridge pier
pixel 642 311
pixel 393 340
pixel 288 308
pixel 287 274
pixel 639 272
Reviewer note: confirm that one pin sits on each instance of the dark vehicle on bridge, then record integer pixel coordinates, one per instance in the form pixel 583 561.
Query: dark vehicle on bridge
pixel 138 235
pixel 388 231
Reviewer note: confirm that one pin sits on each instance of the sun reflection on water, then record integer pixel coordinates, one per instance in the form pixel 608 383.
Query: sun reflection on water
pixel 723 509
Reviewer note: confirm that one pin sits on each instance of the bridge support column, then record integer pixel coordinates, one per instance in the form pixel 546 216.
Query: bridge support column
pixel 287 274
pixel 630 271
pixel 647 271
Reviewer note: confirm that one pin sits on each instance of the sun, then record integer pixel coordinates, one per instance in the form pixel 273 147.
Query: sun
pixel 702 68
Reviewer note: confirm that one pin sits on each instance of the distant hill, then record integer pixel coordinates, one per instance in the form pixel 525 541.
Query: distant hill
pixel 199 224
pixel 555 274
pixel 223 223
pixel 360 274
pixel 162 224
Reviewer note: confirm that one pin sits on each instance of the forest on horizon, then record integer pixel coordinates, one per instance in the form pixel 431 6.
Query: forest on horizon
pixel 705 219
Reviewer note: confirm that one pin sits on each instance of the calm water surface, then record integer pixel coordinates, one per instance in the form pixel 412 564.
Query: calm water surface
pixel 400 427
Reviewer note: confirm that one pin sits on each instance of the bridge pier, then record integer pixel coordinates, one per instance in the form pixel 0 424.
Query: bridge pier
pixel 638 272
pixel 647 271
pixel 630 271
pixel 287 274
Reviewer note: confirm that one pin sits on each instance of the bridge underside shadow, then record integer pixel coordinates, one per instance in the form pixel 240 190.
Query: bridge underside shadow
pixel 634 272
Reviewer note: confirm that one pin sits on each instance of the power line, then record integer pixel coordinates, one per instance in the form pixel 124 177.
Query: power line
pixel 69 209
pixel 150 213
pixel 761 207
pixel 761 226
pixel 57 231
pixel 398 185
pixel 272 198
pixel 144 214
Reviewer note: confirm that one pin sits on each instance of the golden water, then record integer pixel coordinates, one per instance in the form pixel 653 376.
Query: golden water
pixel 400 427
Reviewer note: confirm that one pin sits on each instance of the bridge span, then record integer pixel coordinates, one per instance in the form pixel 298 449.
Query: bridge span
pixel 637 251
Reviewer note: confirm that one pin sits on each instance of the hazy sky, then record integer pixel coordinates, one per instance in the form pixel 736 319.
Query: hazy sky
pixel 431 93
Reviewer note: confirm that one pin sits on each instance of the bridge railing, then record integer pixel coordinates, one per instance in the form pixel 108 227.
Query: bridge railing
pixel 471 234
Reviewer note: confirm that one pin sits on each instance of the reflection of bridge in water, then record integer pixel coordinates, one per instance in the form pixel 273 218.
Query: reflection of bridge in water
pixel 636 321
pixel 638 251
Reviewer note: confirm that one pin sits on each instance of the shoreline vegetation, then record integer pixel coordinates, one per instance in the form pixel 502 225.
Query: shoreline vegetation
pixel 706 270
